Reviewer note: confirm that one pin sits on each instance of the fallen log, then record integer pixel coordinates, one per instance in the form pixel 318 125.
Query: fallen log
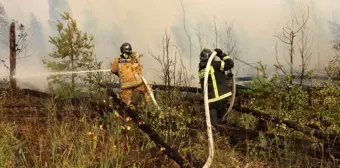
pixel 238 136
pixel 297 143
pixel 153 135
pixel 291 124
pixel 165 87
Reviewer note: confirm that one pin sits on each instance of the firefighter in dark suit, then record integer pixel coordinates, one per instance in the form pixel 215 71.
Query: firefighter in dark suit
pixel 219 89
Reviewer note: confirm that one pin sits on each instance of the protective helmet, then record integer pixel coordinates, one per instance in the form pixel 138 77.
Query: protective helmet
pixel 126 49
pixel 205 54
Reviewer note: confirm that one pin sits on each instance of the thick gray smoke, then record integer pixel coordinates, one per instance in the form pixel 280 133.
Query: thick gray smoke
pixel 143 23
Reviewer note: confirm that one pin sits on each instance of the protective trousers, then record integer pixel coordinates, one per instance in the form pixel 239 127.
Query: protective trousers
pixel 126 94
pixel 216 115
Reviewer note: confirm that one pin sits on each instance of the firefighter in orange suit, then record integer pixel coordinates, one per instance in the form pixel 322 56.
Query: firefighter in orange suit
pixel 128 68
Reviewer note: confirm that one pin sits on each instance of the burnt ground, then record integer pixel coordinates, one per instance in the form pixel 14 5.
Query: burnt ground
pixel 33 108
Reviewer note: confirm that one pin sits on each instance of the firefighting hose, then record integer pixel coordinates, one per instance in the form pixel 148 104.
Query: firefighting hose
pixel 207 109
pixel 207 113
pixel 233 91
pixel 151 93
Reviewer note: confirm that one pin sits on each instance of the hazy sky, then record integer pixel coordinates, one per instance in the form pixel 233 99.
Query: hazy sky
pixel 143 23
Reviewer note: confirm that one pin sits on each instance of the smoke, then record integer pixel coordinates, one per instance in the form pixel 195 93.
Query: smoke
pixel 55 7
pixel 143 23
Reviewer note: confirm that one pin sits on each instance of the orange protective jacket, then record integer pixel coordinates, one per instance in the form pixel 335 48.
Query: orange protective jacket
pixel 128 69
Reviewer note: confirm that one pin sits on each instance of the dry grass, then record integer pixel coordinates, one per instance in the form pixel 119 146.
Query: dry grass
pixel 71 141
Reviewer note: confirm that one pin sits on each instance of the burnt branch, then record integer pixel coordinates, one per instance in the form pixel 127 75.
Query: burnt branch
pixel 278 66
pixel 146 128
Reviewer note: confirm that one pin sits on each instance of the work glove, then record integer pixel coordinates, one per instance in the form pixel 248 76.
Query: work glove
pixel 219 52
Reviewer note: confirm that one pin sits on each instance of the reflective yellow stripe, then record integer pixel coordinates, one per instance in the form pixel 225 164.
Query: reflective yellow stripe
pixel 226 57
pixel 222 66
pixel 201 74
pixel 119 70
pixel 213 79
pixel 130 84
pixel 220 97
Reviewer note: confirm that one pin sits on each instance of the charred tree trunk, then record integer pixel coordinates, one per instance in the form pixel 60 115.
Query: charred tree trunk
pixel 12 57
pixel 146 128
pixel 291 124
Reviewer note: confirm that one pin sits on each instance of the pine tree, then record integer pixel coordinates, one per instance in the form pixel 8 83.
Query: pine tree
pixel 73 51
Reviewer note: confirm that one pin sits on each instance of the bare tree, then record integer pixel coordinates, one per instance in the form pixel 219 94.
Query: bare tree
pixel 228 43
pixel 172 72
pixel 4 63
pixel 200 38
pixel 288 37
pixel 184 78
pixel 304 47
pixel 333 69
pixel 216 33
pixel 22 42
pixel 186 31
pixel 167 64
pixel 279 66
pixel 225 39
pixel 3 30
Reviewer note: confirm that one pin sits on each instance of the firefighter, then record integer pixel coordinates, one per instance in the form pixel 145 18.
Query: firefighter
pixel 128 68
pixel 219 89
